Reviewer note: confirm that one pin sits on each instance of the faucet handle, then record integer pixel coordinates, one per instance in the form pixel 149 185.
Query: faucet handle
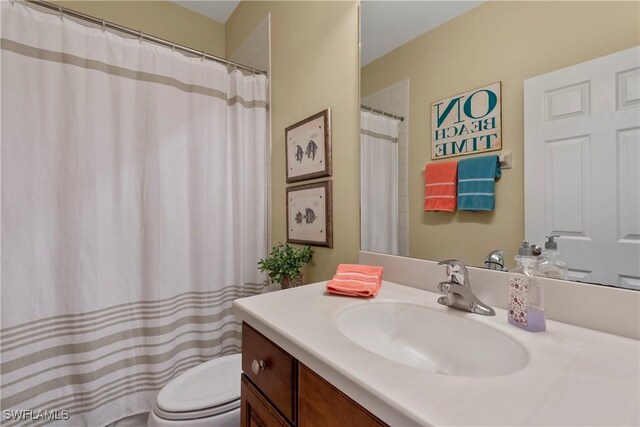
pixel 455 265
pixel 456 270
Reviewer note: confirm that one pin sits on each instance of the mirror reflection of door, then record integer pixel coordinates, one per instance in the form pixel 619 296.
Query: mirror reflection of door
pixel 582 163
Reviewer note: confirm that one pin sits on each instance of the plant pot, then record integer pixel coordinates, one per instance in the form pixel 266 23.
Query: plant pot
pixel 288 282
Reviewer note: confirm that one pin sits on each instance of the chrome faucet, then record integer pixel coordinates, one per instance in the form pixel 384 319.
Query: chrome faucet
pixel 495 260
pixel 457 290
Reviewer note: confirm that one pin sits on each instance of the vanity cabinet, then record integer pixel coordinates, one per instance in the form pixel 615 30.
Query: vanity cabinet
pixel 279 391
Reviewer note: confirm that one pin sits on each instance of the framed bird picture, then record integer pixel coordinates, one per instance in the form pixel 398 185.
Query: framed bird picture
pixel 309 214
pixel 308 147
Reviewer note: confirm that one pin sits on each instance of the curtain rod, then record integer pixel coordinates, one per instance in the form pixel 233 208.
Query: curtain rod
pixel 113 26
pixel 384 113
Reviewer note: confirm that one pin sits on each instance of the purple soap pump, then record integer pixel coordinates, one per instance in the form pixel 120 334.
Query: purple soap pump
pixel 526 308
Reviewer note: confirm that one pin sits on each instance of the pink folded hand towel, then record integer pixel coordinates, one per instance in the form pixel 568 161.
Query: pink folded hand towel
pixel 370 270
pixel 356 280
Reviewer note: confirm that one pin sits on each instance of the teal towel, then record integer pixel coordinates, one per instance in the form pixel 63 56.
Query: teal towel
pixel 476 183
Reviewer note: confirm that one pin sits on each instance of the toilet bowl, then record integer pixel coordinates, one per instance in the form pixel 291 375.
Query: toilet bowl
pixel 205 395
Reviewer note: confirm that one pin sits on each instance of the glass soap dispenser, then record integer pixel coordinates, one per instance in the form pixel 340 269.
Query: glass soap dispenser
pixel 526 308
pixel 551 266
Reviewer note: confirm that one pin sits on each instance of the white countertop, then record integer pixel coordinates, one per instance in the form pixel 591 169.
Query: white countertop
pixel 575 376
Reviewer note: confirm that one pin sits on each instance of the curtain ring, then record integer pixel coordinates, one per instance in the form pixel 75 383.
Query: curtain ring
pixel 204 54
pixel 141 37
pixel 104 25
pixel 61 11
pixel 173 47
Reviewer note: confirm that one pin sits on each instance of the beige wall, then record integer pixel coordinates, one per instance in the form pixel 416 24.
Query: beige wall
pixel 158 18
pixel 497 41
pixel 314 65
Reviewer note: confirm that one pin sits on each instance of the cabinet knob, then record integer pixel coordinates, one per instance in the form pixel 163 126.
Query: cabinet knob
pixel 257 366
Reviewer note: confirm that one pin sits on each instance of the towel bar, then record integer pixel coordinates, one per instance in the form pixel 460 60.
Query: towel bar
pixel 505 160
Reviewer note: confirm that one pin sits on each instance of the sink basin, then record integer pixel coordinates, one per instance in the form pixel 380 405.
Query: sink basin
pixel 431 340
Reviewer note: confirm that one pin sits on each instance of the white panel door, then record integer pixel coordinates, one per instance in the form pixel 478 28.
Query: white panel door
pixel 582 163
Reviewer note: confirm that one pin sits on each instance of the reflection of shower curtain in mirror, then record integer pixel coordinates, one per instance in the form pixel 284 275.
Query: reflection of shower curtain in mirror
pixel 133 214
pixel 378 183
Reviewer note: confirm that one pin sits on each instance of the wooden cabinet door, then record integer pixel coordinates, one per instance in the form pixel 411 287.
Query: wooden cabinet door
pixel 256 411
pixel 322 405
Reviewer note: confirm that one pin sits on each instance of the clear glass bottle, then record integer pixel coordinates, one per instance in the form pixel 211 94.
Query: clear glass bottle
pixel 526 308
pixel 551 266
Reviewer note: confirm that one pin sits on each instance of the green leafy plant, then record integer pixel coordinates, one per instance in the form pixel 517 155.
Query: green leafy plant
pixel 284 262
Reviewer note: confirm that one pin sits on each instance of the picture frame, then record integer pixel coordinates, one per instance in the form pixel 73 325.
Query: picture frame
pixel 308 148
pixel 310 214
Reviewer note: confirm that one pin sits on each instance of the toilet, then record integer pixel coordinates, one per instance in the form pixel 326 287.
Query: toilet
pixel 205 395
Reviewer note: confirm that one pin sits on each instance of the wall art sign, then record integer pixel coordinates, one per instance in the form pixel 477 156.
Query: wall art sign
pixel 309 214
pixel 467 123
pixel 308 147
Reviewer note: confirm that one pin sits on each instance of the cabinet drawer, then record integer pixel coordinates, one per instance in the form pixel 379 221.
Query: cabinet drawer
pixel 256 410
pixel 277 371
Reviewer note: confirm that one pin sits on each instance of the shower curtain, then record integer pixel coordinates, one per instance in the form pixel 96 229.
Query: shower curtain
pixel 378 183
pixel 133 214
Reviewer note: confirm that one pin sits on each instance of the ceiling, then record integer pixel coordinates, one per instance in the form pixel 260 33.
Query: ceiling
pixel 389 24
pixel 218 10
pixel 386 24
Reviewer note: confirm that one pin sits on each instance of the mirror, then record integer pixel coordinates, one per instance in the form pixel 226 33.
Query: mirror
pixel 414 54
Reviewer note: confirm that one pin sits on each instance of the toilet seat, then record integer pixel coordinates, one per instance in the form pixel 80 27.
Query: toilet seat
pixel 203 413
pixel 208 389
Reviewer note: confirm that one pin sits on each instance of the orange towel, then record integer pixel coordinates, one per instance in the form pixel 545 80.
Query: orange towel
pixel 440 181
pixel 356 280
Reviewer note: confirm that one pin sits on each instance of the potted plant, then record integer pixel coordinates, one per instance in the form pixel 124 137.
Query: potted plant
pixel 284 263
